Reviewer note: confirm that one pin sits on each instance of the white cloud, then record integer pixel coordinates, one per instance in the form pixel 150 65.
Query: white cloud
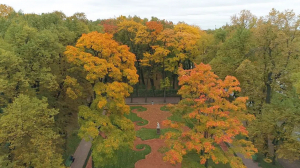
pixel 206 14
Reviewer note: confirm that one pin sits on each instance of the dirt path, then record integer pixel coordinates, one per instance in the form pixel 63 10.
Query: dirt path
pixel 155 158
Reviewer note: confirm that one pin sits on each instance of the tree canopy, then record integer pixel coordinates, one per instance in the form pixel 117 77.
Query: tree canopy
pixel 58 71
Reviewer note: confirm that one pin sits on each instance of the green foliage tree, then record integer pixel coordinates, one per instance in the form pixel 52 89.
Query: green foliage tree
pixel 263 55
pixel 32 61
pixel 28 126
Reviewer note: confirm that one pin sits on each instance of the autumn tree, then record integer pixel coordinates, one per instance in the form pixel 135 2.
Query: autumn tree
pixel 5 10
pixel 216 118
pixel 109 25
pixel 110 70
pixel 151 63
pixel 262 53
pixel 128 30
pixel 28 127
pixel 181 45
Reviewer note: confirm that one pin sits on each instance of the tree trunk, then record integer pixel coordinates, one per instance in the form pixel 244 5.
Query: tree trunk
pixel 152 85
pixel 61 85
pixel 37 86
pixel 164 95
pixel 142 76
pixel 146 98
pixel 174 80
pixel 137 90
pixel 164 76
pixel 206 163
pixel 269 89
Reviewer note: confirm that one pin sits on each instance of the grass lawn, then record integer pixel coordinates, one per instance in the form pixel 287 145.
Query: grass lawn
pixel 176 117
pixel 192 160
pixel 126 157
pixel 138 108
pixel 263 164
pixel 134 118
pixel 147 133
pixel 164 108
pixel 72 142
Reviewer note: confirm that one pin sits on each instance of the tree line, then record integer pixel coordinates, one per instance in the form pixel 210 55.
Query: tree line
pixel 53 66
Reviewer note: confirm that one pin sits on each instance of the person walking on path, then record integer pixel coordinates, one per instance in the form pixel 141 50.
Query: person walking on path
pixel 158 128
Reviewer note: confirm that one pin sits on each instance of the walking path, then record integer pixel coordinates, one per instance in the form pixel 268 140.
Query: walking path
pixel 81 154
pixel 288 164
pixel 84 147
pixel 155 158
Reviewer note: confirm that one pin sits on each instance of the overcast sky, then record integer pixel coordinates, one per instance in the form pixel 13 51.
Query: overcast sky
pixel 204 13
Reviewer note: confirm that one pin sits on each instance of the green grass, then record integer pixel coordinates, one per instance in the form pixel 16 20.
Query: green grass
pixel 147 133
pixel 72 142
pixel 138 108
pixel 240 136
pixel 192 160
pixel 126 157
pixel 164 108
pixel 134 118
pixel 263 164
pixel 176 117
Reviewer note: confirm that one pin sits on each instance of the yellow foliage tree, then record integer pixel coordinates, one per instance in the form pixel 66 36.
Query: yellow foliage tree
pixel 5 10
pixel 110 69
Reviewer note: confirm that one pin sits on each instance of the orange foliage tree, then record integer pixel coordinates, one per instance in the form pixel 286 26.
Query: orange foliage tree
pixel 148 34
pixel 214 116
pixel 110 69
pixel 110 26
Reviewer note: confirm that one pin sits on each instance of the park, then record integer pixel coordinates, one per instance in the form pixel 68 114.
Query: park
pixel 133 92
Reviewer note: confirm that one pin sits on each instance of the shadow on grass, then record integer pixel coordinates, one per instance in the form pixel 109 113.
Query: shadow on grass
pixel 73 141
pixel 164 108
pixel 126 157
pixel 176 117
pixel 192 160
